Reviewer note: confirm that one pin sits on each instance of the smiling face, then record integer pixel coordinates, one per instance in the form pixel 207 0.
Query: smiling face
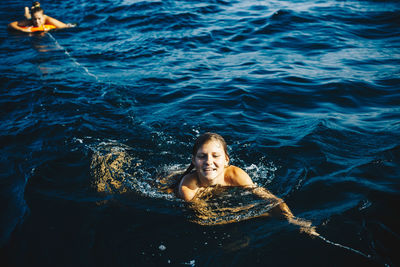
pixel 38 18
pixel 210 161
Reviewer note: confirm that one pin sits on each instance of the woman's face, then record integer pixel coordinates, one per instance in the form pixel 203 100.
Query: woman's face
pixel 38 18
pixel 210 161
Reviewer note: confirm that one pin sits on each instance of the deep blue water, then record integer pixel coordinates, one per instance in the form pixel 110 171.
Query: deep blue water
pixel 306 93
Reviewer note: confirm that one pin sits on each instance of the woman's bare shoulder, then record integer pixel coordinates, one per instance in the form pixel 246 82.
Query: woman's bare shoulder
pixel 237 176
pixel 55 22
pixel 189 179
pixel 188 186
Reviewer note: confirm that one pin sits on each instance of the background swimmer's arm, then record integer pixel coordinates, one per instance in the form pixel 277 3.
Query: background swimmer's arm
pixel 188 187
pixel 55 22
pixel 17 25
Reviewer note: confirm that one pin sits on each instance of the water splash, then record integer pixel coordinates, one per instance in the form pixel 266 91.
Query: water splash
pixel 115 170
pixel 262 174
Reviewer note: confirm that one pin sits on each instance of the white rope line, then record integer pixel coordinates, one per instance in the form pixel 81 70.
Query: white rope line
pixel 345 247
pixel 72 58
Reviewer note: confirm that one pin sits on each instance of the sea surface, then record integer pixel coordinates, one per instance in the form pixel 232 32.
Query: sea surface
pixel 95 119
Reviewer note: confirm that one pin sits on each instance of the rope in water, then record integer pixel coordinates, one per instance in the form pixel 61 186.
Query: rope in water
pixel 345 247
pixel 72 58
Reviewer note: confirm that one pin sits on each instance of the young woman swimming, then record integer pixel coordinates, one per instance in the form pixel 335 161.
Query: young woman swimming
pixel 36 20
pixel 210 160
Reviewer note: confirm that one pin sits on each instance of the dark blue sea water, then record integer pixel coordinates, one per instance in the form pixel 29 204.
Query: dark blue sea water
pixel 306 94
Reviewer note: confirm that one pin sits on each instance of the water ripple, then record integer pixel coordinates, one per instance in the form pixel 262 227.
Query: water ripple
pixel 305 93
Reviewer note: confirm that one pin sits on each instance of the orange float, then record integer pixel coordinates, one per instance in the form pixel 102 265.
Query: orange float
pixel 41 28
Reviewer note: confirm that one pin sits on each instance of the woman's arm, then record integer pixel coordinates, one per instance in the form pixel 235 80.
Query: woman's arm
pixel 240 178
pixel 55 22
pixel 17 25
pixel 280 210
pixel 283 210
pixel 188 187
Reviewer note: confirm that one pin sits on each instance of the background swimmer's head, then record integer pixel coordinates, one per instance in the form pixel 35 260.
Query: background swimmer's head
pixel 37 14
pixel 207 137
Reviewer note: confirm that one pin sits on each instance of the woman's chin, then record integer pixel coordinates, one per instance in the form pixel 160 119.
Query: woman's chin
pixel 209 175
pixel 211 179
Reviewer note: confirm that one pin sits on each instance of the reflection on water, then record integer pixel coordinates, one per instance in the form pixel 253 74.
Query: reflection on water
pixel 222 205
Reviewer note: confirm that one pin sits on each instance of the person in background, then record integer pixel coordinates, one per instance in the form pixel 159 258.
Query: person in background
pixel 36 20
pixel 210 167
